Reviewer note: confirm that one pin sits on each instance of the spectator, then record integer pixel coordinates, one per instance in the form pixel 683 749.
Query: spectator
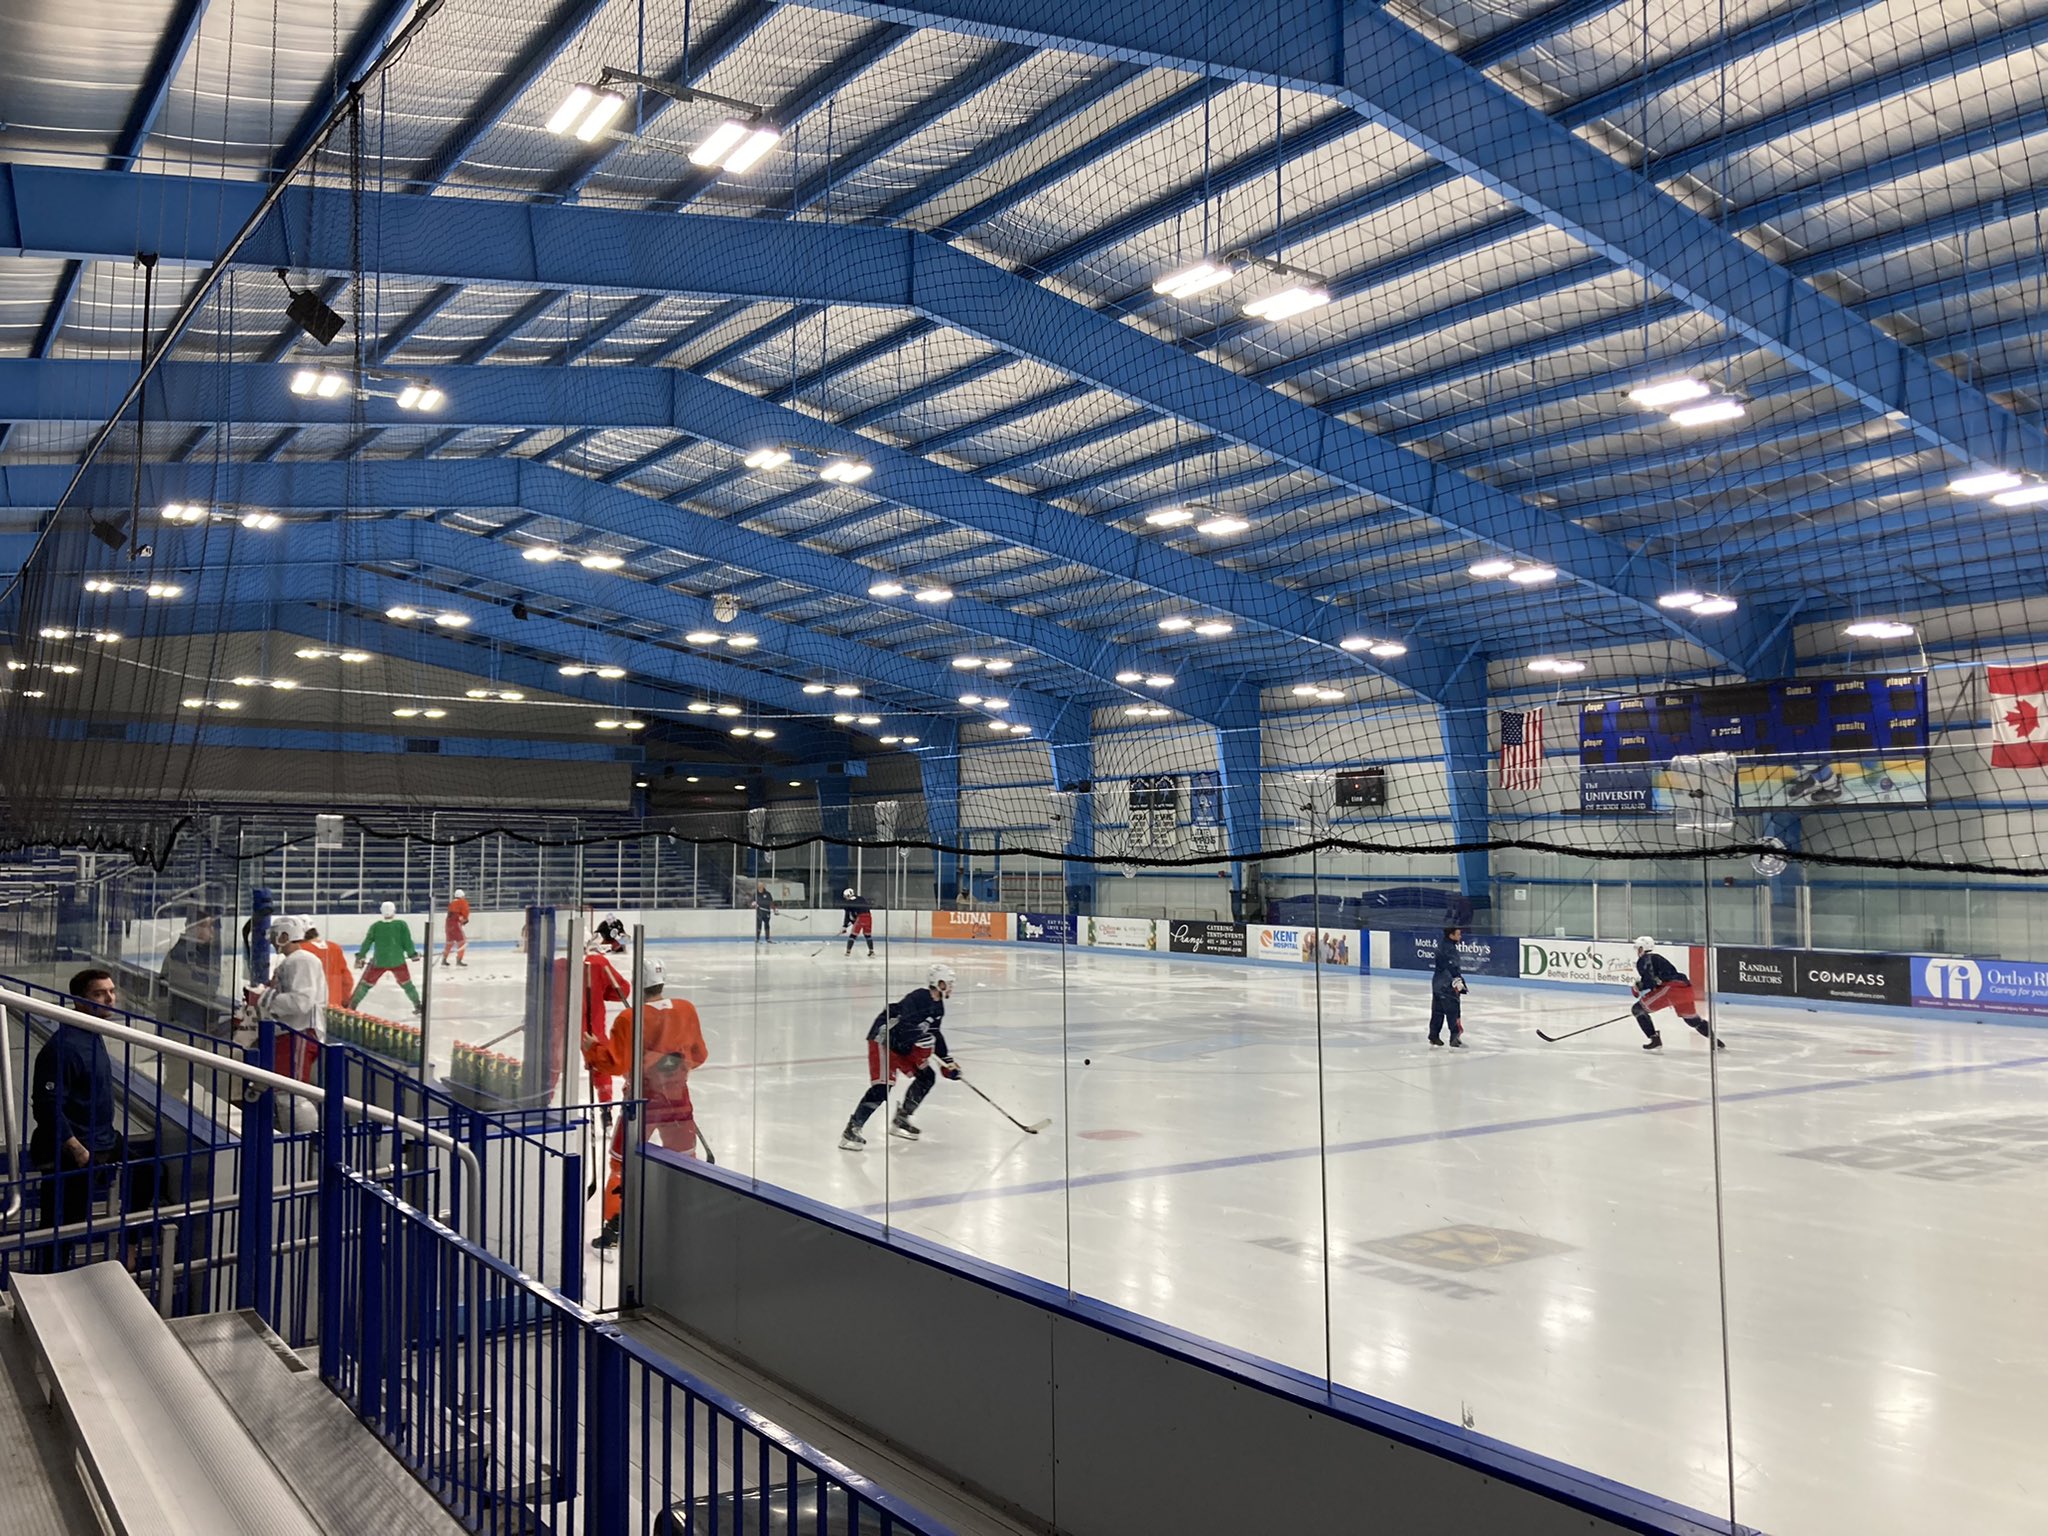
pixel 191 972
pixel 71 1098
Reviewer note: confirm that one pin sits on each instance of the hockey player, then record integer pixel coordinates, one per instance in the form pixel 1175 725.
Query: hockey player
pixel 387 946
pixel 602 984
pixel 904 1038
pixel 297 994
pixel 610 935
pixel 1660 984
pixel 859 921
pixel 455 931
pixel 341 983
pixel 764 910
pixel 1447 990
pixel 671 1048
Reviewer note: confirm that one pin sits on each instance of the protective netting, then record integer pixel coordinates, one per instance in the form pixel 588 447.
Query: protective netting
pixel 1138 453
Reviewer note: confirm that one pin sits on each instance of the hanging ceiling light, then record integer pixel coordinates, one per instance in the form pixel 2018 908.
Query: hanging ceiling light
pixel 1176 624
pixel 886 589
pixel 1287 301
pixel 587 111
pixel 1710 411
pixel 1210 272
pixel 1490 568
pixel 1984 482
pixel 1532 575
pixel 1662 396
pixel 737 146
pixel 934 594
pixel 1169 517
pixel 1220 527
pixel 846 471
pixel 1878 629
pixel 2022 496
pixel 1213 628
pixel 1158 680
pixel 768 458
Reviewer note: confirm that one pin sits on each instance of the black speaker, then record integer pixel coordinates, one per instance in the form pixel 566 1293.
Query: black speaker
pixel 309 312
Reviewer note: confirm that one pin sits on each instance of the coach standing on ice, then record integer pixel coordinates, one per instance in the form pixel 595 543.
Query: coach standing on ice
pixel 1447 990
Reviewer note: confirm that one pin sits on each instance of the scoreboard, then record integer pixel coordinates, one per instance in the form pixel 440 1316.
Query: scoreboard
pixel 1809 743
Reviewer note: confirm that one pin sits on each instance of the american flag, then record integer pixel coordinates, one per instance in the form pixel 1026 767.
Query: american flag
pixel 1521 748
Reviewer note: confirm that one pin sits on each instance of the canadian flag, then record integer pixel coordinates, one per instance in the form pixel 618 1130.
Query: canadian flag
pixel 2019 716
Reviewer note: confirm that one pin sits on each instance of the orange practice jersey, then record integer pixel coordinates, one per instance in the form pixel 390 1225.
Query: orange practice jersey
pixel 673 1047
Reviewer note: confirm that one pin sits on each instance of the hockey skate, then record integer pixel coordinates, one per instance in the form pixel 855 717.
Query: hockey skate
pixel 851 1140
pixel 1654 1043
pixel 899 1125
pixel 608 1236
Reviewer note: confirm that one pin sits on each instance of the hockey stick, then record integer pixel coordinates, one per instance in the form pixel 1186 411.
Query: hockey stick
pixel 1553 1039
pixel 1030 1130
pixel 704 1142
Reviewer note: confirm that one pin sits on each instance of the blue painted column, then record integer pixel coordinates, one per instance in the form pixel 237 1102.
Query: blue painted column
pixel 938 766
pixel 835 801
pixel 1238 757
pixel 1464 716
pixel 1073 764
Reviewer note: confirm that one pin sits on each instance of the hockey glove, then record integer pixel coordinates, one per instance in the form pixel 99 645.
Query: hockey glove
pixel 949 1069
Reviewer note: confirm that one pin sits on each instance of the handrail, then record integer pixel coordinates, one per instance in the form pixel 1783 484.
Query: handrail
pixel 275 1081
pixel 17 1175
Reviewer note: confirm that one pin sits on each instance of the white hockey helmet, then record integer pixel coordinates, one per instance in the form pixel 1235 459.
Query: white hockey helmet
pixel 657 976
pixel 389 909
pixel 940 975
pixel 1643 942
pixel 288 930
pixel 849 893
pixel 459 896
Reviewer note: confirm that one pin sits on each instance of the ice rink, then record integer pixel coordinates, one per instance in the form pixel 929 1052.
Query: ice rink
pixel 1523 1236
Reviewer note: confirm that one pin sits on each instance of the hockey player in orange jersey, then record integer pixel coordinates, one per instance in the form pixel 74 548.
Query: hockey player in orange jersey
pixel 671 1049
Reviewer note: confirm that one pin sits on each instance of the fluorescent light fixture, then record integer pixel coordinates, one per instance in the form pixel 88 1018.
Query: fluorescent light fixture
pixel 184 512
pixel 304 381
pixel 352 657
pixel 33 693
pixel 572 669
pixel 1354 643
pixel 1304 690
pixel 886 589
pixel 1709 412
pixel 1532 575
pixel 1221 527
pixel 476 693
pixel 742 730
pixel 1684 598
pixel 262 522
pixel 1489 569
pixel 401 613
pixel 2022 496
pixel 1387 650
pixel 1199 278
pixel 1714 605
pixel 1213 628
pixel 1137 711
pixel 1984 482
pixel 601 562
pixel 1020 730
pixel 55 634
pixel 846 471
pixel 768 458
pixel 742 642
pixel 606 725
pixel 761 733
pixel 543 554
pixel 408 397
pixel 244 682
pixel 846 691
pixel 890 741
pixel 1662 396
pixel 405 714
pixel 699 707
pixel 1000 727
pixel 736 146
pixel 163 589
pixel 810 688
pixel 842 719
pixel 1176 624
pixel 106 636
pixel 1130 677
pixel 1159 680
pixel 283 684
pixel 634 725
pixel 1878 629
pixel 611 674
pixel 966 663
pixel 435 714
pixel 869 720
pixel 1556 664
pixel 934 594
pixel 703 637
pixel 329 384
pixel 573 106
pixel 1285 303
pixel 1169 517
pixel 692 779
pixel 998 665
pixel 971 700
pixel 910 741
pixel 63 669
pixel 98 584
pixel 192 703
pixel 995 704
pixel 728 711
pixel 452 620
pixel 1329 695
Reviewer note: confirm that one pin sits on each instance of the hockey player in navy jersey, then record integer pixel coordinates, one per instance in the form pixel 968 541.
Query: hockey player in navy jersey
pixel 1447 990
pixel 859 921
pixel 1660 984
pixel 903 1039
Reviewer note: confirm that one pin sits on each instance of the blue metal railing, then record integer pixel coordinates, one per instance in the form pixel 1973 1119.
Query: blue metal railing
pixel 523 1412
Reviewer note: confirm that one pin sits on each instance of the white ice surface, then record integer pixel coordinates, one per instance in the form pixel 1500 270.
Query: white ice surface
pixel 1889 1342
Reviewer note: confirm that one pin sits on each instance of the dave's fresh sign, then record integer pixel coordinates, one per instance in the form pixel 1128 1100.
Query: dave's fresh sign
pixel 1595 961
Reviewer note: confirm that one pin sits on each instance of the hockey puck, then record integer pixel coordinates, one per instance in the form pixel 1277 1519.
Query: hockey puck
pixel 1086 1062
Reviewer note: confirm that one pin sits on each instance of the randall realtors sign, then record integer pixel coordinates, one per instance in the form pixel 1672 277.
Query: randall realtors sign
pixel 1756 972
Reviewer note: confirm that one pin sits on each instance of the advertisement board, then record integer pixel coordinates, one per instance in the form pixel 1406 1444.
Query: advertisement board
pixel 1599 961
pixel 1120 933
pixel 1989 986
pixel 1302 946
pixel 970 925
pixel 1756 972
pixel 1482 955
pixel 1045 928
pixel 1192 937
pixel 1856 978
